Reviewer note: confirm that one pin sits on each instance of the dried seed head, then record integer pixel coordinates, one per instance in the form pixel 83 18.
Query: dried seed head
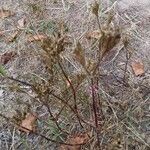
pixel 110 18
pixel 52 47
pixel 95 8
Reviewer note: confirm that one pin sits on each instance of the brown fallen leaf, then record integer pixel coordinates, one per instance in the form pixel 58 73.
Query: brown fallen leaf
pixel 5 13
pixel 6 57
pixel 94 34
pixel 28 124
pixel 13 37
pixel 21 22
pixel 138 68
pixel 79 54
pixel 37 37
pixel 80 138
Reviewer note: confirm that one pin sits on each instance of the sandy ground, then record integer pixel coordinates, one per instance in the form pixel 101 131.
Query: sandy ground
pixel 125 4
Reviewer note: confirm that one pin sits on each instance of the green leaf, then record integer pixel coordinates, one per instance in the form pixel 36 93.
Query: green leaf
pixel 2 71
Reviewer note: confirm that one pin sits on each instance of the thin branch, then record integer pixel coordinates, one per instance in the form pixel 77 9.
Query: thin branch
pixel 66 103
pixel 99 24
pixel 22 82
pixel 94 105
pixel 73 110
pixel 39 134
pixel 71 86
pixel 126 64
pixel 53 118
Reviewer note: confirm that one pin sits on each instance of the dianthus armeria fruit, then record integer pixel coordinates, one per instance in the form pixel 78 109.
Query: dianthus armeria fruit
pixel 52 47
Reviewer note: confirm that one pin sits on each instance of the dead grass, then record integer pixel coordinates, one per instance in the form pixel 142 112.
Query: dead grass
pixel 105 100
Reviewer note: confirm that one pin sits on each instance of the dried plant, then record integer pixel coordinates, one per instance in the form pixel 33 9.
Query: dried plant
pixel 73 101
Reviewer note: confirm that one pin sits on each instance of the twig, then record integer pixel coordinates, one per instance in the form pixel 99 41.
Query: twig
pixel 126 64
pixel 53 118
pixel 44 100
pixel 95 111
pixel 73 110
pixel 99 24
pixel 44 103
pixel 131 128
pixel 59 113
pixel 72 87
pixel 39 134
pixel 22 82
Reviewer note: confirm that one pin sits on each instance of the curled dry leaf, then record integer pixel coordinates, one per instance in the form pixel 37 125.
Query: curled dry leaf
pixel 28 124
pixel 37 37
pixel 6 57
pixel 79 54
pixel 94 34
pixel 21 22
pixel 138 68
pixel 79 139
pixel 5 13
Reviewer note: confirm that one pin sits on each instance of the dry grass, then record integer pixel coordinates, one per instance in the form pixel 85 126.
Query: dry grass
pixel 95 92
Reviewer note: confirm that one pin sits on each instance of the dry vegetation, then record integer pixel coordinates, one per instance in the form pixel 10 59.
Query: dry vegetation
pixel 70 82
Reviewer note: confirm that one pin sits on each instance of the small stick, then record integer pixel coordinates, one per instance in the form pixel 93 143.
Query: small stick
pixel 39 134
pixel 95 112
pixel 22 82
pixel 72 87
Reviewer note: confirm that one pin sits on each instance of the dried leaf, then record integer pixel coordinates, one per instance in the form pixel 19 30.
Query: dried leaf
pixel 138 68
pixel 94 34
pixel 13 37
pixel 6 57
pixel 75 139
pixel 5 13
pixel 79 54
pixel 37 37
pixel 21 22
pixel 28 123
pixel 108 41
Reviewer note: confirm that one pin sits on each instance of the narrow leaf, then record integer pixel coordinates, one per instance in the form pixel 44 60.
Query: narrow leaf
pixel 2 71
